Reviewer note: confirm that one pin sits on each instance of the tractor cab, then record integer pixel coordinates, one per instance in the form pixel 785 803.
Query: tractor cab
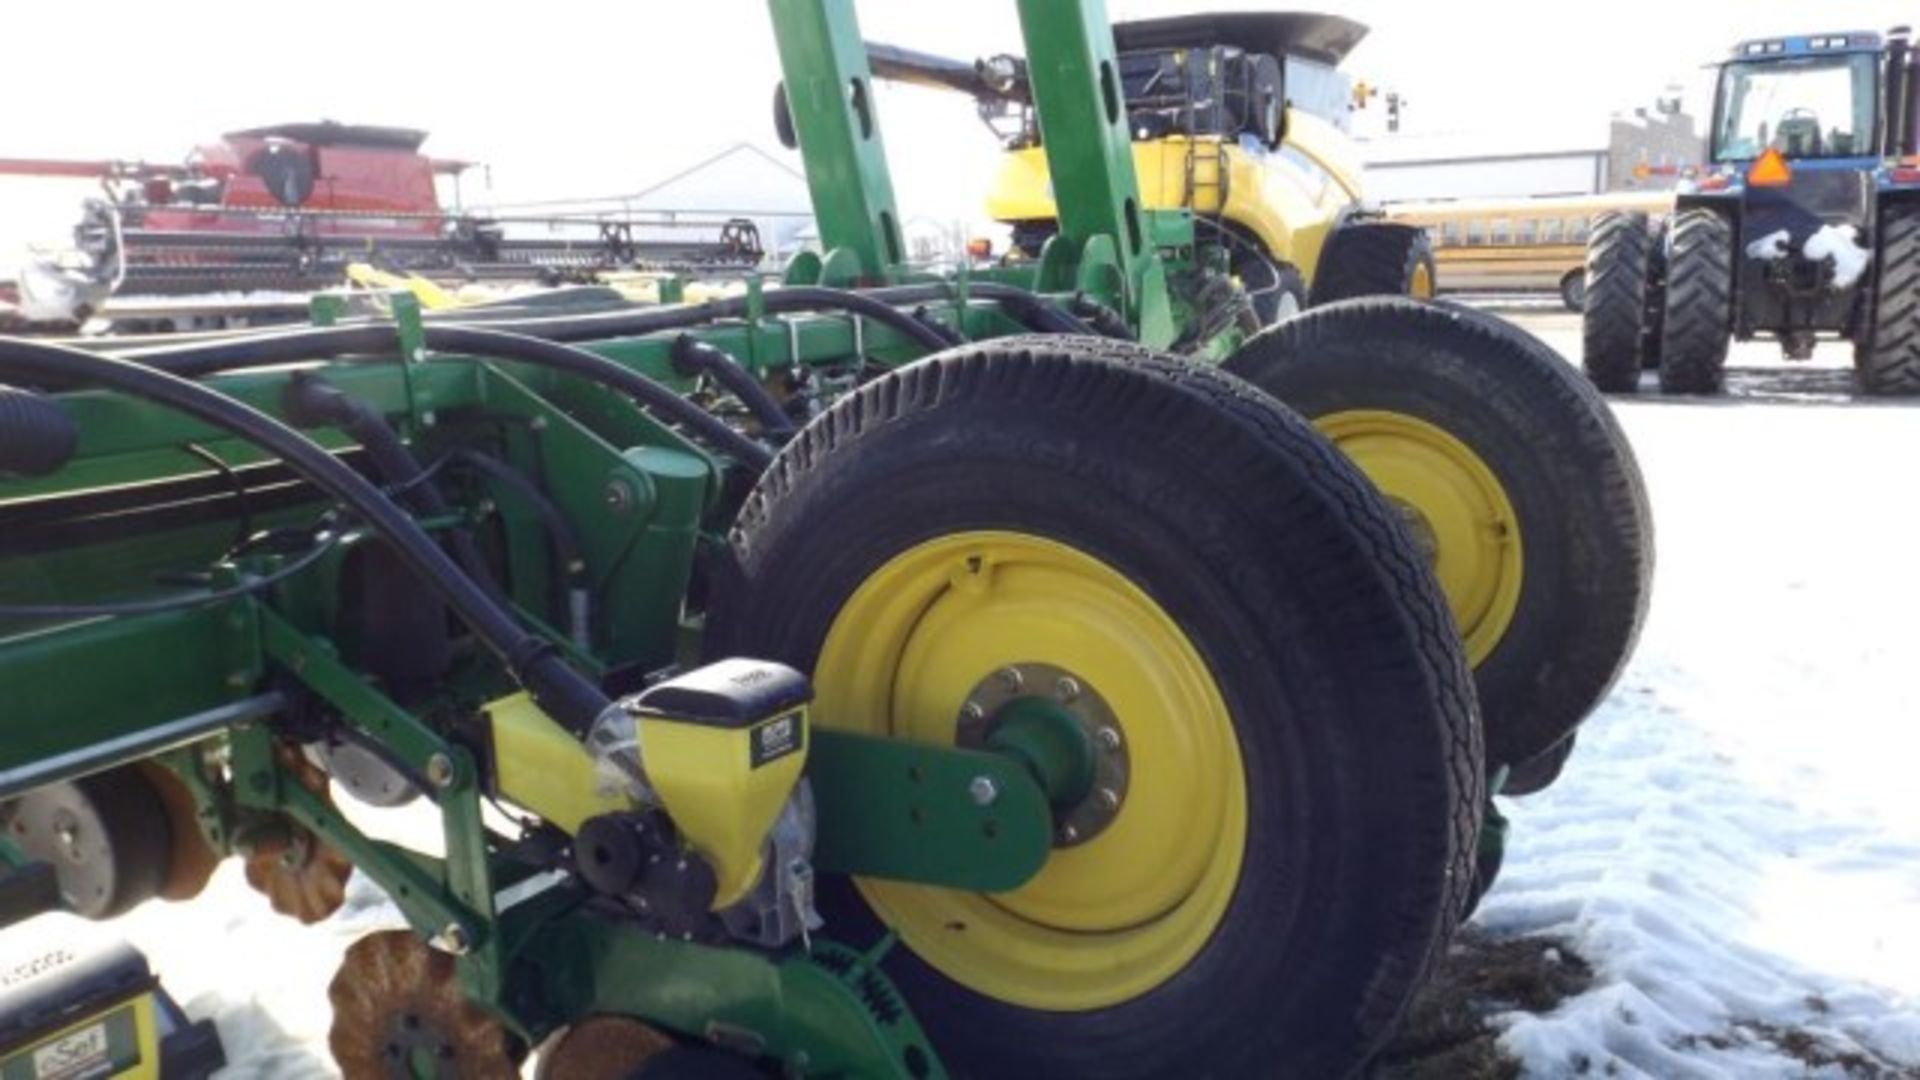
pixel 1805 225
pixel 1805 98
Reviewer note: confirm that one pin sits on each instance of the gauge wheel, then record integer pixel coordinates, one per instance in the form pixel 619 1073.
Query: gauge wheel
pixel 1508 470
pixel 1180 571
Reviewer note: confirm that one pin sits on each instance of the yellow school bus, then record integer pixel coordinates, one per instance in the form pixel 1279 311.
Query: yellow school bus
pixel 1520 245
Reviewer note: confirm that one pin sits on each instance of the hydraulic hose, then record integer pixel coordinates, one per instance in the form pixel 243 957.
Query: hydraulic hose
pixel 311 402
pixel 1032 310
pixel 569 561
pixel 269 350
pixel 37 436
pixel 691 356
pixel 561 692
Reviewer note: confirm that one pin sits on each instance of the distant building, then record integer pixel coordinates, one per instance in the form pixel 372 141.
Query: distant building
pixel 1647 151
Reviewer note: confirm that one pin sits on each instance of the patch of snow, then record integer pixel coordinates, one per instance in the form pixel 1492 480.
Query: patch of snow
pixel 1735 845
pixel 1841 243
pixel 1772 246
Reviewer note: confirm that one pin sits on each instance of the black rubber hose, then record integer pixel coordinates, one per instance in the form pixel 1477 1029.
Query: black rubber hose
pixel 1034 311
pixel 268 350
pixel 669 406
pixel 561 692
pixel 311 402
pixel 691 356
pixel 1102 318
pixel 37 436
pixel 568 553
pixel 773 301
pixel 954 337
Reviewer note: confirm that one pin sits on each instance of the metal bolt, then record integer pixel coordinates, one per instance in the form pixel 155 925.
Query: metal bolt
pixel 983 790
pixel 1067 688
pixel 972 712
pixel 538 423
pixel 1068 834
pixel 454 939
pixel 617 495
pixel 1109 737
pixel 1109 798
pixel 440 770
pixel 1013 678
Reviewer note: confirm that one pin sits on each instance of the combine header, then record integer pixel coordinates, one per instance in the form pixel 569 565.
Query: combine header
pixel 289 208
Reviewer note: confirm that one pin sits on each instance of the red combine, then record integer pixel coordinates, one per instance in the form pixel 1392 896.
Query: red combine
pixel 289 207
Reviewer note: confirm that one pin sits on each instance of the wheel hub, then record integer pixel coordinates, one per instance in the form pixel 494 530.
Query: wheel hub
pixel 1059 725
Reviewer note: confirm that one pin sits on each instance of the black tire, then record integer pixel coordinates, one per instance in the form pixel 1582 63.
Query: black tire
pixel 1888 362
pixel 1348 696
pixel 1613 319
pixel 1697 312
pixel 1537 774
pixel 1552 444
pixel 1573 290
pixel 1374 258
pixel 1275 289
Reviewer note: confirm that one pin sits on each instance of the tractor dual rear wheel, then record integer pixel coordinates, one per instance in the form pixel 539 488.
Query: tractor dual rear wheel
pixel 1888 362
pixel 1509 469
pixel 1158 546
pixel 1613 319
pixel 1375 258
pixel 1697 313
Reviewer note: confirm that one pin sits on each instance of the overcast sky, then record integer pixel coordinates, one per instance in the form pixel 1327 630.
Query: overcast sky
pixel 571 97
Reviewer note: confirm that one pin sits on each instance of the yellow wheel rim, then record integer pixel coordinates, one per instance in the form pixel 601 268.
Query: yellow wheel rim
pixel 1420 286
pixel 1455 506
pixel 1105 920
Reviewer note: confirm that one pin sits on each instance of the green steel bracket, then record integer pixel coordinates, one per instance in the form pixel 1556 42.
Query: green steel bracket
pixel 312 661
pixel 802 269
pixel 1083 125
pixel 260 783
pixel 325 309
pixel 964 819
pixel 413 351
pixel 823 1013
pixel 829 89
pixel 461 919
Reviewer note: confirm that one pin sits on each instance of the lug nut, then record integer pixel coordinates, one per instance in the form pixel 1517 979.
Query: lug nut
pixel 1109 799
pixel 1068 834
pixel 983 790
pixel 972 712
pixel 1109 737
pixel 1013 678
pixel 1067 688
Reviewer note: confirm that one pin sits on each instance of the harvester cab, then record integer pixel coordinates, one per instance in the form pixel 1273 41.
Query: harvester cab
pixel 1803 220
pixel 1238 120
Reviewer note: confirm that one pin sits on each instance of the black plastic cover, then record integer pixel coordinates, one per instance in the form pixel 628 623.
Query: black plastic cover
pixel 732 693
pixel 49 985
pixel 1326 38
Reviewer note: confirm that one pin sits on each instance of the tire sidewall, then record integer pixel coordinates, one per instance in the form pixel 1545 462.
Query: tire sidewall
pixel 1162 512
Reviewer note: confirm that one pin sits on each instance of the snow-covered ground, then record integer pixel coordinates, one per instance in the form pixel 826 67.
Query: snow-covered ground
pixel 1735 847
